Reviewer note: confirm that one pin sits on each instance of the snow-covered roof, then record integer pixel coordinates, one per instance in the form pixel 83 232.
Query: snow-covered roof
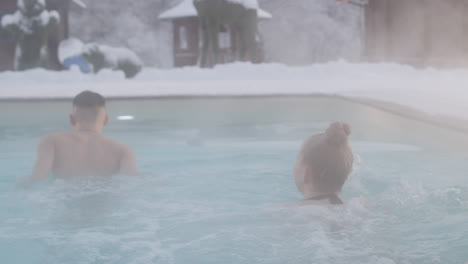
pixel 187 9
pixel 80 3
pixel 249 4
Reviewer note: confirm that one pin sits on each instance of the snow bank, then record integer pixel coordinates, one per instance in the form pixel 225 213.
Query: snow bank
pixel 113 55
pixel 101 57
pixel 436 92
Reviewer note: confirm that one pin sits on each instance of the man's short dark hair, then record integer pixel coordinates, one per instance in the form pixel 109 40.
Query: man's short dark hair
pixel 88 99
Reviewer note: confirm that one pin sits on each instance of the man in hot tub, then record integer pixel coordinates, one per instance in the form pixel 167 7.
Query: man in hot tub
pixel 83 151
pixel 323 165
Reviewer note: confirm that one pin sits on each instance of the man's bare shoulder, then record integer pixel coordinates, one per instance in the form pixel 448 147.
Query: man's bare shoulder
pixel 51 137
pixel 67 136
pixel 120 146
pixel 128 165
pixel 61 138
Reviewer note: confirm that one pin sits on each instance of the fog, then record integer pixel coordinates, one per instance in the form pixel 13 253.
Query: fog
pixel 131 24
pixel 300 32
pixel 304 31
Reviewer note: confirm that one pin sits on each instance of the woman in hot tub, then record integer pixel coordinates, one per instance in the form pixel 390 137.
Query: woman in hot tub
pixel 323 165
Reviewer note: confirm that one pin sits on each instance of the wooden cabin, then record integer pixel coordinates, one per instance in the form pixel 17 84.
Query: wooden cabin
pixel 417 32
pixel 186 35
pixel 8 43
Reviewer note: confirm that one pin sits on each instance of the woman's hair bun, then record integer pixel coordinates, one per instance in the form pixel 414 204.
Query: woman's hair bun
pixel 337 133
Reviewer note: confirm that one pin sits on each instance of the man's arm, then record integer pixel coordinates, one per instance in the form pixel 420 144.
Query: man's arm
pixel 44 161
pixel 128 163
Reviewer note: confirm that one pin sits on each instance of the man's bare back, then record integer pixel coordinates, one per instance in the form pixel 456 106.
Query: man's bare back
pixel 86 153
pixel 83 151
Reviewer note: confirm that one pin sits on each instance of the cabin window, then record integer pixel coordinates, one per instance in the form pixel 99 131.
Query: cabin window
pixel 224 37
pixel 183 38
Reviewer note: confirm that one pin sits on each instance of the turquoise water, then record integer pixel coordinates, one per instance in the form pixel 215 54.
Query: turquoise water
pixel 217 176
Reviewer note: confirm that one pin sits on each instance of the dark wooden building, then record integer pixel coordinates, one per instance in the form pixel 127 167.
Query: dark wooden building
pixel 8 43
pixel 417 32
pixel 186 35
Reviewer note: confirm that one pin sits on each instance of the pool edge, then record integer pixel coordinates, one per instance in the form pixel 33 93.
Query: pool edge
pixel 448 122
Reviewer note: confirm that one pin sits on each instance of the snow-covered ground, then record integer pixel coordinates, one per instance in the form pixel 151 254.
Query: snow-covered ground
pixel 435 92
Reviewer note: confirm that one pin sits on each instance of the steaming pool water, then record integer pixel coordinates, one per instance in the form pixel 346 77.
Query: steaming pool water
pixel 217 175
